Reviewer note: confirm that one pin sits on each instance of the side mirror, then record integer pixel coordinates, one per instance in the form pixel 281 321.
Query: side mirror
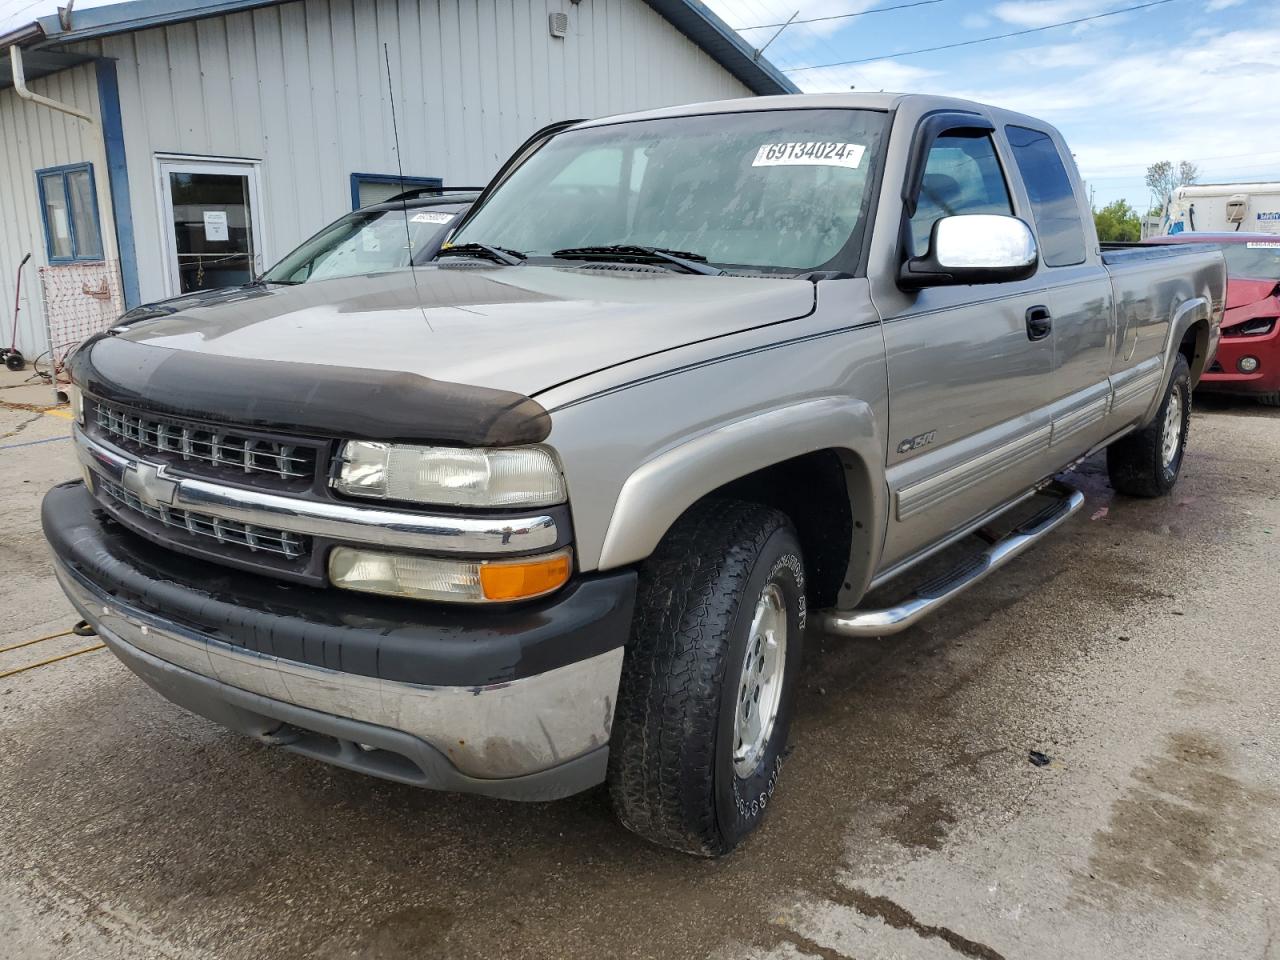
pixel 973 248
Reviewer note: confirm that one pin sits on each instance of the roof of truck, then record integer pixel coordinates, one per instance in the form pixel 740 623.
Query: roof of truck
pixel 817 101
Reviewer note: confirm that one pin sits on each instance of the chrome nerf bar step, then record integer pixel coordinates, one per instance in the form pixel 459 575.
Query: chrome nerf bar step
pixel 929 596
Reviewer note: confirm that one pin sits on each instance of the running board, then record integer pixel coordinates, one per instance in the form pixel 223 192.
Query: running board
pixel 933 594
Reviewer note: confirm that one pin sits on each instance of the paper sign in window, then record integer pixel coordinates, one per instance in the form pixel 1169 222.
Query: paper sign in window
pixel 215 226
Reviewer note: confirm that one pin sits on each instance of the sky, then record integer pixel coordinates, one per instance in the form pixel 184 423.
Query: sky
pixel 1185 80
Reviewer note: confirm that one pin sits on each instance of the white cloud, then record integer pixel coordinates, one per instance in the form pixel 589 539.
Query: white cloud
pixel 1122 105
pixel 871 77
pixel 1122 99
pixel 1041 13
pixel 1056 55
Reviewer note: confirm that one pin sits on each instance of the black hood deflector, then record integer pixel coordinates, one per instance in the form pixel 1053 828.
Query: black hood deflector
pixel 305 398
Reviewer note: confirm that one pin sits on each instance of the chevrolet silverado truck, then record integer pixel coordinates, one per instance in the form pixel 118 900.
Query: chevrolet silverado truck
pixel 557 508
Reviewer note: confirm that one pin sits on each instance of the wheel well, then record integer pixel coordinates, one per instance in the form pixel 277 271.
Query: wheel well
pixel 812 490
pixel 1195 347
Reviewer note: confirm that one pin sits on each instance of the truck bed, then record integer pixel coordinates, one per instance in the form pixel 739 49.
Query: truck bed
pixel 1115 253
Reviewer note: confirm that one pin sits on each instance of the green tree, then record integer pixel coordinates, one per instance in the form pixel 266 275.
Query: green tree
pixel 1117 222
pixel 1163 178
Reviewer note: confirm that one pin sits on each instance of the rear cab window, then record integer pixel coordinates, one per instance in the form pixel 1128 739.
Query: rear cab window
pixel 961 176
pixel 1053 201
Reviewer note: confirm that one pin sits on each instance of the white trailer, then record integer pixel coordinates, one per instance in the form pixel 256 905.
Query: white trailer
pixel 1224 208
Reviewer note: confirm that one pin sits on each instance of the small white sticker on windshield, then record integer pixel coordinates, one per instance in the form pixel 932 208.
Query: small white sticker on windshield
pixel 1264 245
pixel 431 218
pixel 812 153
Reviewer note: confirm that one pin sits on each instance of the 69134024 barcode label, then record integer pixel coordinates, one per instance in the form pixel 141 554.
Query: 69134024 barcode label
pixel 817 153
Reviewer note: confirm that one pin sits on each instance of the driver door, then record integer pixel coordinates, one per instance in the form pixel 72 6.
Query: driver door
pixel 968 366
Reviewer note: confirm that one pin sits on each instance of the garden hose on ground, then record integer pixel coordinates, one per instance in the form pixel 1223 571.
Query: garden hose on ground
pixel 81 629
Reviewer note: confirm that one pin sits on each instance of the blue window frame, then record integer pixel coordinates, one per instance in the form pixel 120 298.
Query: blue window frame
pixel 69 211
pixel 369 188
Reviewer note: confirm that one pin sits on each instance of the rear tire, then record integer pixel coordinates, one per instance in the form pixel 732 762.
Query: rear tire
pixel 1146 463
pixel 718 634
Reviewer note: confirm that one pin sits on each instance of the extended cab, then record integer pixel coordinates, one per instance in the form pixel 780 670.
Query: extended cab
pixel 557 507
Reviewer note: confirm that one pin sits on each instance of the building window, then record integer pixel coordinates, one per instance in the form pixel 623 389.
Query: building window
pixel 69 209
pixel 369 188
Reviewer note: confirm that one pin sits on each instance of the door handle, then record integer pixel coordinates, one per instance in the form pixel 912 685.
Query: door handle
pixel 1039 322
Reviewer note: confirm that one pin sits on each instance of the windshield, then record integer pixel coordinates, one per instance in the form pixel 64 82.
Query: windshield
pixel 367 241
pixel 1258 260
pixel 780 190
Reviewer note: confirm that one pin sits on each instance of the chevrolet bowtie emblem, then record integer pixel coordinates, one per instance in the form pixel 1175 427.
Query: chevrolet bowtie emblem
pixel 144 481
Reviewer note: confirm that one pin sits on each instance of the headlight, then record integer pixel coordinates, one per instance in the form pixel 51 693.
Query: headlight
pixel 451 476
pixel 76 400
pixel 432 578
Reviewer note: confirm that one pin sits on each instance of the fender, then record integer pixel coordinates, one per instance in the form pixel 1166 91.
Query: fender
pixel 663 487
pixel 1188 312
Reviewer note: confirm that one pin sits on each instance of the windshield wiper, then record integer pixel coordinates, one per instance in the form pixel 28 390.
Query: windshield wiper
pixel 497 254
pixel 691 262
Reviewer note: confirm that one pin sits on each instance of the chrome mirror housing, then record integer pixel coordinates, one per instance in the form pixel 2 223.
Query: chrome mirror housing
pixel 973 248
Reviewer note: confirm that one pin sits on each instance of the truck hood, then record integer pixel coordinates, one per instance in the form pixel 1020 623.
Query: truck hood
pixel 518 329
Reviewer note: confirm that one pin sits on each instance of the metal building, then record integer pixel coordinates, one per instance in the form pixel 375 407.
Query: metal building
pixel 156 146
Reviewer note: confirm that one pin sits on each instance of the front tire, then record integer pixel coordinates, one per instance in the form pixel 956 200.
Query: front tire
pixel 709 677
pixel 1269 399
pixel 1146 463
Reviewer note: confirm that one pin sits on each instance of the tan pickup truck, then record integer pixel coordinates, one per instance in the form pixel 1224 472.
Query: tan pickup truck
pixel 556 506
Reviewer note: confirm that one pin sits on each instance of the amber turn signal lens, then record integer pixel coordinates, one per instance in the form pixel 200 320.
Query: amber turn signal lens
pixel 524 578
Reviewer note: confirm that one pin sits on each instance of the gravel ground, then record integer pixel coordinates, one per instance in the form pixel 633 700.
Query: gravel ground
pixel 1135 648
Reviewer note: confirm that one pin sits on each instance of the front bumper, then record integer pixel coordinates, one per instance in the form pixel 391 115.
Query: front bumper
pixel 1225 377
pixel 516 702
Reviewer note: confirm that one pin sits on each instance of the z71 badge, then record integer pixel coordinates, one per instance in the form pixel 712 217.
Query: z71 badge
pixel 915 443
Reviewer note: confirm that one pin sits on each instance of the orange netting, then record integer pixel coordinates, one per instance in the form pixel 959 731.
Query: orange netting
pixel 80 299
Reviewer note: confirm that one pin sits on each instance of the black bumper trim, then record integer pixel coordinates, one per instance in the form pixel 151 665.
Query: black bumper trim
pixel 401 640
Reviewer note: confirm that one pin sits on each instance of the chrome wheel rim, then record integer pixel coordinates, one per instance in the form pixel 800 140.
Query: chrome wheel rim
pixel 1172 428
pixel 760 681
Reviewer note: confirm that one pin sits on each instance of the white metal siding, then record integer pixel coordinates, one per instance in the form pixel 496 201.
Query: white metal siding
pixel 303 87
pixel 32 138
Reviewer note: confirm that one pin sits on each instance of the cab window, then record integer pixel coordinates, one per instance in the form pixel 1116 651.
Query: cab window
pixel 1053 202
pixel 961 176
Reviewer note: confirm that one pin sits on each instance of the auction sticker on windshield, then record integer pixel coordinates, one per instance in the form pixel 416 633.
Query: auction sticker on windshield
pixel 811 153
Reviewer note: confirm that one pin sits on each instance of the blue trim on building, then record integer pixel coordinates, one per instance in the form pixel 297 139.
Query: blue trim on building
pixel 63 170
pixel 691 17
pixel 118 180
pixel 392 178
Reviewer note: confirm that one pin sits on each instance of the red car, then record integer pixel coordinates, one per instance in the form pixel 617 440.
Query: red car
pixel 1248 360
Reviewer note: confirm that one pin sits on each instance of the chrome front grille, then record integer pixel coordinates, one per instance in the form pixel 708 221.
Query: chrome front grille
pixel 281 543
pixel 210 448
